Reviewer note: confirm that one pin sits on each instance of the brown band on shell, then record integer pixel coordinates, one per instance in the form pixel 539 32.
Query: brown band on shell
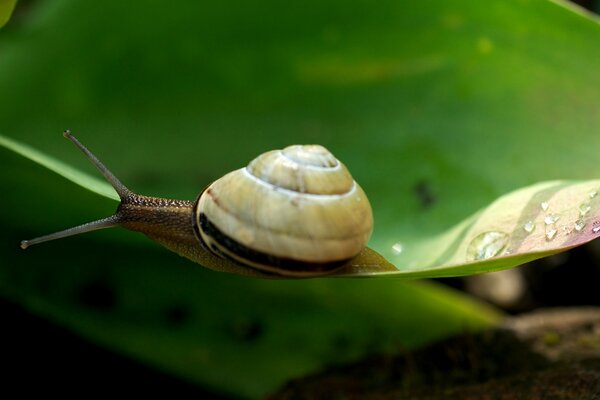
pixel 270 262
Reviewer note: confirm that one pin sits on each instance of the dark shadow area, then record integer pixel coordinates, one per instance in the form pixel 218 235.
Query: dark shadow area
pixel 553 354
pixel 40 357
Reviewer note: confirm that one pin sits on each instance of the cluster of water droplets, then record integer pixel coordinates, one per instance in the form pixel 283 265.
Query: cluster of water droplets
pixel 550 223
pixel 550 219
pixel 491 244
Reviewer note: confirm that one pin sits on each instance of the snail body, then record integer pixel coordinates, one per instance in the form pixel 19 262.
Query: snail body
pixel 294 212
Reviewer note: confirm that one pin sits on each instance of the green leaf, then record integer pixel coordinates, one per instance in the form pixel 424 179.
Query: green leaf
pixel 439 108
pixel 6 9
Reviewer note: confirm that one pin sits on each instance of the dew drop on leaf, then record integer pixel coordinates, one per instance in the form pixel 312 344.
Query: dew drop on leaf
pixel 579 225
pixel 550 232
pixel 544 205
pixel 397 248
pixel 593 194
pixel 487 245
pixel 550 219
pixel 529 226
pixel 584 208
pixel 596 229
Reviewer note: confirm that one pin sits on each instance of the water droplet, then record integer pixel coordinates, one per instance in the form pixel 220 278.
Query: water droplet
pixel 596 229
pixel 584 208
pixel 550 232
pixel 544 205
pixel 397 248
pixel 487 245
pixel 579 224
pixel 593 194
pixel 529 226
pixel 550 219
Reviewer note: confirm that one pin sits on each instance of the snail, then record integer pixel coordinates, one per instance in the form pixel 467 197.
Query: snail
pixel 295 212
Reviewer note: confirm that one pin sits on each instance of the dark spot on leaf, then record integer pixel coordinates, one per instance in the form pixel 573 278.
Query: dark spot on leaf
pixel 341 342
pixel 98 294
pixel 246 330
pixel 424 193
pixel 177 315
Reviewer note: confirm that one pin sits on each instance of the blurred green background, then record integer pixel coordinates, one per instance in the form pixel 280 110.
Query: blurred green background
pixel 437 107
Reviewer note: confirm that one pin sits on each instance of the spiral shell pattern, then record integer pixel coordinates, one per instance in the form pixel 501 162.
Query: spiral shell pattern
pixel 295 211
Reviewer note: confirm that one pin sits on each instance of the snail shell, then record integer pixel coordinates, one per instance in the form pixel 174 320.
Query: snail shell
pixel 295 211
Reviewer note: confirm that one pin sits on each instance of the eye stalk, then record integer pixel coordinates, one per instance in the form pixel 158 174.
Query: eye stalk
pixel 108 222
pixel 121 189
